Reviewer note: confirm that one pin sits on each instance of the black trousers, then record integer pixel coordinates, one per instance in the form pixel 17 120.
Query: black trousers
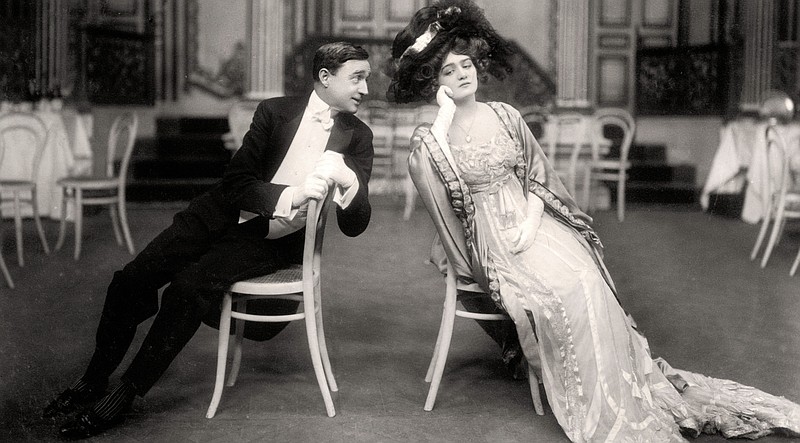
pixel 198 260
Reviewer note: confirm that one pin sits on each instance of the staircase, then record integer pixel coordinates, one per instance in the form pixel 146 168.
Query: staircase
pixel 185 158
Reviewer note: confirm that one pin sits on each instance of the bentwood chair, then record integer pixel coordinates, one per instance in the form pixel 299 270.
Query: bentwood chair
pixel 564 137
pixel 424 114
pixel 607 169
pixel 300 283
pixel 23 135
pixel 107 190
pixel 421 170
pixel 782 193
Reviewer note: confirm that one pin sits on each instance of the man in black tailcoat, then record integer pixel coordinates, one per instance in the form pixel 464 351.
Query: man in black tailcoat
pixel 251 223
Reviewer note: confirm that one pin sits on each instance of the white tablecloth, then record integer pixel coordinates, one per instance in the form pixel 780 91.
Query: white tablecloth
pixel 67 153
pixel 741 158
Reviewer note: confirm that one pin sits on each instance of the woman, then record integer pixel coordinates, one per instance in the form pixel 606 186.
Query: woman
pixel 523 239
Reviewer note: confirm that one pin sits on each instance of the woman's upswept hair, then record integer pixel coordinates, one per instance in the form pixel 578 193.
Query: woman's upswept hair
pixel 460 27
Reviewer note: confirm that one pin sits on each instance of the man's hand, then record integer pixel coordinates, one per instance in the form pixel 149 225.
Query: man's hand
pixel 313 188
pixel 527 234
pixel 331 167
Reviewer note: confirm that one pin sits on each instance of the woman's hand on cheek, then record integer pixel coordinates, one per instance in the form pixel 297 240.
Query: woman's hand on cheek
pixel 444 96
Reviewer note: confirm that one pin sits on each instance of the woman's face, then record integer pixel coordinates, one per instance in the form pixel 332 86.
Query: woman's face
pixel 459 74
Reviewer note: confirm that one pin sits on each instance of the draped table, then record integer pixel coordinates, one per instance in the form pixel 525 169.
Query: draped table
pixel 740 162
pixel 67 153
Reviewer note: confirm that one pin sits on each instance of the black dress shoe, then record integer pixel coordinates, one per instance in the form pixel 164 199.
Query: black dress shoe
pixel 70 400
pixel 88 424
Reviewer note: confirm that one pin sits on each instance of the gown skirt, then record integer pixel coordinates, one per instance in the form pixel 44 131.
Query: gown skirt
pixel 597 371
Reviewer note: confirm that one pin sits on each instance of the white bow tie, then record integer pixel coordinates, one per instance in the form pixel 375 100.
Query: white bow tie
pixel 323 117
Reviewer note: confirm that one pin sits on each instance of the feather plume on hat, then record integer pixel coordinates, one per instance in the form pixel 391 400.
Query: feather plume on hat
pixel 418 47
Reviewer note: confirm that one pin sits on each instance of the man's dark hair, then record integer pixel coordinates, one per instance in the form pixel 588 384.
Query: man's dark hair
pixel 332 56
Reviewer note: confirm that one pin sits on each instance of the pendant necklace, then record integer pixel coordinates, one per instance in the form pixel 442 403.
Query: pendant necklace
pixel 468 137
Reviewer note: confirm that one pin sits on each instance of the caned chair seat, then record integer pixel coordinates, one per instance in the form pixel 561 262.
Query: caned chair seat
pixel 284 281
pixel 299 283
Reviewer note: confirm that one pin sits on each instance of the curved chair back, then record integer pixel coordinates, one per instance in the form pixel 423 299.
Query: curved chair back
pixel 622 119
pixel 25 134
pixel 122 136
pixel 780 190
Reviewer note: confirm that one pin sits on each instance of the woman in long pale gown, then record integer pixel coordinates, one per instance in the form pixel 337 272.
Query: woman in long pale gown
pixel 527 244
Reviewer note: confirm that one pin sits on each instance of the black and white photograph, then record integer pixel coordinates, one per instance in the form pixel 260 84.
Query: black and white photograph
pixel 400 221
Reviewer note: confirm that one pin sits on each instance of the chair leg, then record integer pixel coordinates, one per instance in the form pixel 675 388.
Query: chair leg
pixel 794 265
pixel 535 394
pixel 449 317
pixel 126 230
pixel 18 230
pixel 236 362
pixel 6 274
pixel 316 358
pixel 773 237
pixel 621 199
pixel 762 232
pixel 78 222
pixel 38 221
pixel 323 348
pixel 62 228
pixel 436 348
pixel 112 211
pixel 222 354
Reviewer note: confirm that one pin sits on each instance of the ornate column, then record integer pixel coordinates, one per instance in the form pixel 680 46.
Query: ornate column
pixel 265 33
pixel 572 53
pixel 759 28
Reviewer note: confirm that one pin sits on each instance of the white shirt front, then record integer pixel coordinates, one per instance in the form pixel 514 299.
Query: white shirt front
pixel 307 146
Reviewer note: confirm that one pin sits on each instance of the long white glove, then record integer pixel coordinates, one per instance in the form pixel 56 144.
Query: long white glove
pixel 444 118
pixel 331 167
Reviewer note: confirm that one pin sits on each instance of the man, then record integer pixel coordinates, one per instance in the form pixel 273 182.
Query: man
pixel 249 224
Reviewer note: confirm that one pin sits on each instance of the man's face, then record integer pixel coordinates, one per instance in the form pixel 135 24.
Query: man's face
pixel 345 89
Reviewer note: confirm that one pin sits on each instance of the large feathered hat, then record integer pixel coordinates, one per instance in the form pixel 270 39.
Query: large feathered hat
pixel 417 49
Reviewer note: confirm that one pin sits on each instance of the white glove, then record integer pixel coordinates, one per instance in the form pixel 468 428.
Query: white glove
pixel 331 167
pixel 444 118
pixel 313 187
pixel 530 226
pixel 526 235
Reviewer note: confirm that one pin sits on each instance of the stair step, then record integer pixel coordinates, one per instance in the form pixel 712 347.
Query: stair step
pixel 660 172
pixel 177 168
pixel 191 125
pixel 660 192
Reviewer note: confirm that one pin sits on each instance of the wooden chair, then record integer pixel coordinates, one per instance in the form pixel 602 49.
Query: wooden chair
pixel 3 267
pixel 420 170
pixel 26 135
pixel 424 114
pixel 108 190
pixel 604 169
pixel 240 116
pixel 782 193
pixel 564 137
pixel 449 313
pixel 301 283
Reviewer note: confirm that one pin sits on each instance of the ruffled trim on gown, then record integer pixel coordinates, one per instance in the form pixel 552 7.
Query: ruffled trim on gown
pixel 714 405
